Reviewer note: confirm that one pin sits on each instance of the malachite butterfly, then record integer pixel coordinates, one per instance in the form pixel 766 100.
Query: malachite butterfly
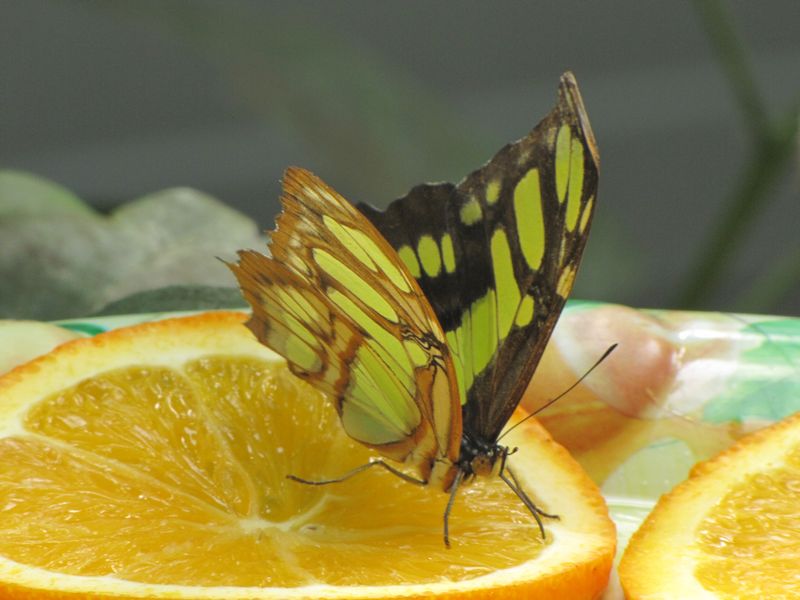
pixel 425 322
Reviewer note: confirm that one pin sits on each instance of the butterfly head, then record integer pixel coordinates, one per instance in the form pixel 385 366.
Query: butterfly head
pixel 479 458
pixel 483 465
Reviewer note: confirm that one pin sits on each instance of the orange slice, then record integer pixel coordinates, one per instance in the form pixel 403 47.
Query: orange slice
pixel 732 530
pixel 151 462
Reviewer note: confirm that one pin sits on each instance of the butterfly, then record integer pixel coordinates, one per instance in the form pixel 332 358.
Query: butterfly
pixel 425 322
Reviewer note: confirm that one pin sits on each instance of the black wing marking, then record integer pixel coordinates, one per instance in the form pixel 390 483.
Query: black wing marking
pixel 470 214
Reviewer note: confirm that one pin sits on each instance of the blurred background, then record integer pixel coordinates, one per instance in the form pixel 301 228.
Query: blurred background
pixel 174 110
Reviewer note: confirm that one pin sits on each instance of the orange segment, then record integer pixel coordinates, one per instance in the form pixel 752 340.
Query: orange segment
pixel 751 539
pixel 152 462
pixel 732 530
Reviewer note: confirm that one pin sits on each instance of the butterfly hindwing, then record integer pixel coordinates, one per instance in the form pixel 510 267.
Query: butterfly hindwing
pixel 497 254
pixel 335 301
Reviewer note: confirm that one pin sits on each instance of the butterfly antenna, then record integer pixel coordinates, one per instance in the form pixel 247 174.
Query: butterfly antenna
pixel 562 394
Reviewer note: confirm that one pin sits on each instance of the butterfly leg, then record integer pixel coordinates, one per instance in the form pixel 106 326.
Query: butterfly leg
pixel 519 487
pixel 453 490
pixel 361 469
pixel 513 483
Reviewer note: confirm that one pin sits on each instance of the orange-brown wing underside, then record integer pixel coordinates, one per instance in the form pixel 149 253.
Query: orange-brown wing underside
pixel 337 302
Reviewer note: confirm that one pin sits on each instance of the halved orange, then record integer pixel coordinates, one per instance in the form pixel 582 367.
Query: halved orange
pixel 732 530
pixel 151 462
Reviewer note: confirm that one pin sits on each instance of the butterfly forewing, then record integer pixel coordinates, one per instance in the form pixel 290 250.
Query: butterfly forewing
pixel 497 254
pixel 337 303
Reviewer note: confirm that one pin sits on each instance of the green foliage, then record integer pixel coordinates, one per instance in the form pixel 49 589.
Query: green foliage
pixel 60 259
pixel 176 298
pixel 23 194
